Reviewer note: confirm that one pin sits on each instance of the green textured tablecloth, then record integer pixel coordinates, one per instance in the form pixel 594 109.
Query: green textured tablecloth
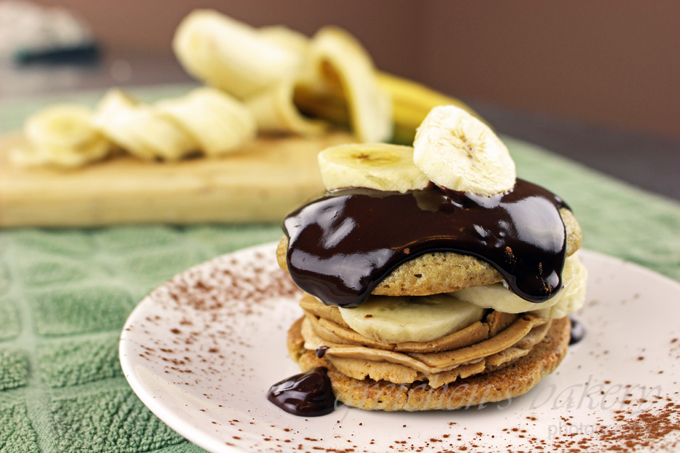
pixel 65 294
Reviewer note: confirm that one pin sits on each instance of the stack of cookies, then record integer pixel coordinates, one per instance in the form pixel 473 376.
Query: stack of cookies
pixel 461 298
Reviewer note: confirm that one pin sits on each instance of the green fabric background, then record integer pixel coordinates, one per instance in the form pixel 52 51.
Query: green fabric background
pixel 65 294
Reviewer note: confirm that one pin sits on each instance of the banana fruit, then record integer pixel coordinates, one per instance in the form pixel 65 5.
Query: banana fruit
pixel 61 135
pixel 273 67
pixel 400 319
pixel 565 302
pixel 217 122
pixel 377 166
pixel 459 152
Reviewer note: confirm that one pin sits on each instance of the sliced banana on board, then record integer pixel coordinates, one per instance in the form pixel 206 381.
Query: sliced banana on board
pixel 232 55
pixel 401 319
pixel 569 299
pixel 219 123
pixel 61 135
pixel 459 152
pixel 377 166
pixel 138 129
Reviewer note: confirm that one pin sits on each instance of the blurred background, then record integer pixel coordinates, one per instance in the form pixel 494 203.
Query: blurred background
pixel 613 65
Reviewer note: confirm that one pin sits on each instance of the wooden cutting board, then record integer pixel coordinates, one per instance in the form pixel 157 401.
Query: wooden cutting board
pixel 261 183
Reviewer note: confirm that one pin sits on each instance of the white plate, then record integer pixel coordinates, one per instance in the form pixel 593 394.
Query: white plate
pixel 202 350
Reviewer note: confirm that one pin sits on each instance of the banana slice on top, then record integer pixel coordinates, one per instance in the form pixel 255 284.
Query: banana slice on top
pixel 401 319
pixel 459 152
pixel 61 135
pixel 219 123
pixel 377 166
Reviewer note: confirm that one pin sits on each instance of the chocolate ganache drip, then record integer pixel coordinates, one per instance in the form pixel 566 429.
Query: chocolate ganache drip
pixel 343 244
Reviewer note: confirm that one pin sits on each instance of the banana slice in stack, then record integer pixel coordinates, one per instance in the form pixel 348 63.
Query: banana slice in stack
pixel 565 302
pixel 231 55
pixel 459 152
pixel 376 166
pixel 400 319
pixel 63 136
pixel 137 128
pixel 218 123
pixel 573 295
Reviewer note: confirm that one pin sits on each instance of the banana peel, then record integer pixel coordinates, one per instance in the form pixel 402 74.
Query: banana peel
pixel 411 102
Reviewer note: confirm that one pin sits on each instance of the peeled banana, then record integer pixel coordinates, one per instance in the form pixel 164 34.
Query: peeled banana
pixel 459 152
pixel 231 55
pixel 273 67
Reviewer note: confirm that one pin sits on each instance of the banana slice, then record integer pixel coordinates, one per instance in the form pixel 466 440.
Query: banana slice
pixel 375 166
pixel 61 135
pixel 275 111
pixel 400 319
pixel 218 122
pixel 343 66
pixel 459 152
pixel 498 297
pixel 138 129
pixel 231 55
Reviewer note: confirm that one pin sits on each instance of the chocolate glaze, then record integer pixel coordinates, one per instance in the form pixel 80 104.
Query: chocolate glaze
pixel 307 394
pixel 577 331
pixel 344 243
pixel 321 351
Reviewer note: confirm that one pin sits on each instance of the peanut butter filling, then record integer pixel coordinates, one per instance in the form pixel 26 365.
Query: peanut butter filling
pixel 496 341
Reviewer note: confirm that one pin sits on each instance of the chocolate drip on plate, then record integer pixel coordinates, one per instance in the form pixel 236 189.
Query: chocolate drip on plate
pixel 307 394
pixel 577 331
